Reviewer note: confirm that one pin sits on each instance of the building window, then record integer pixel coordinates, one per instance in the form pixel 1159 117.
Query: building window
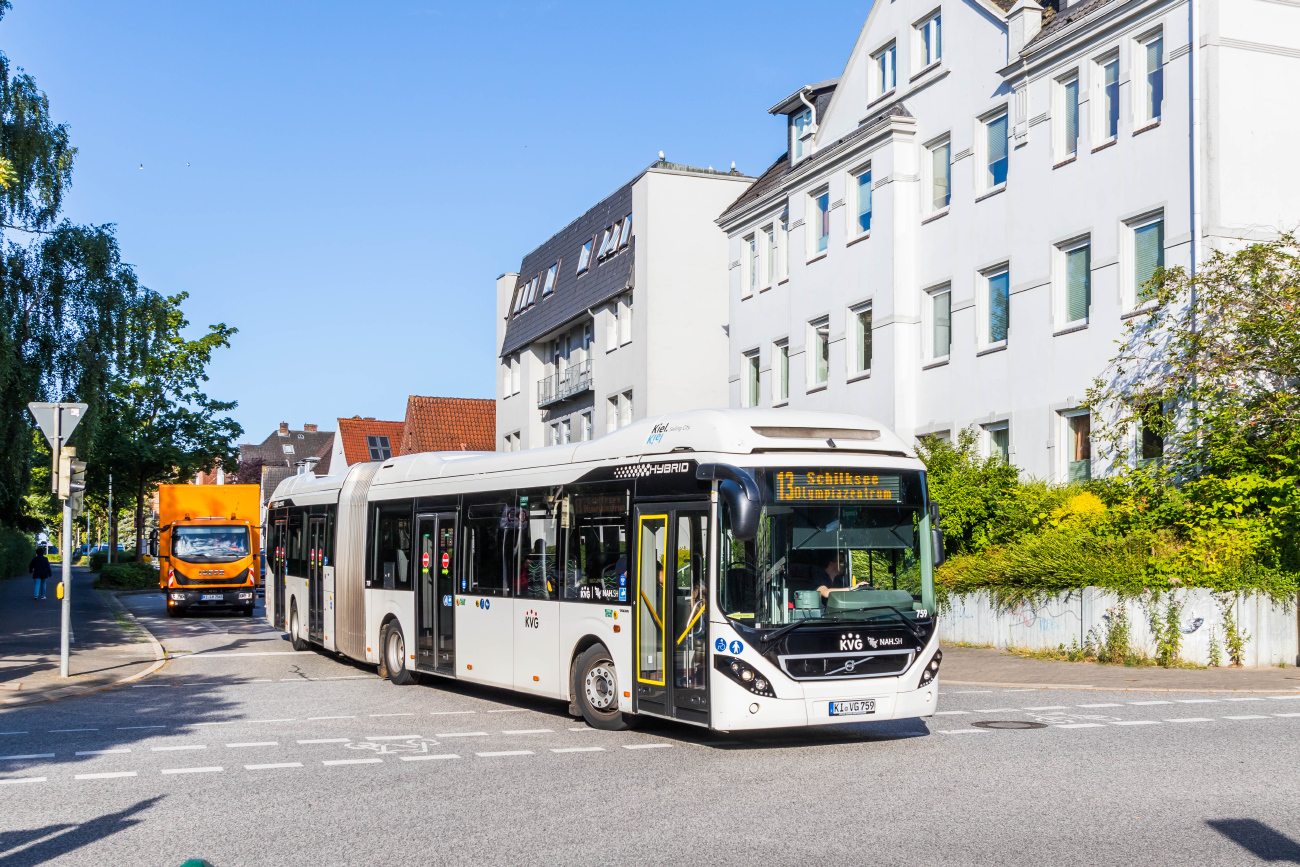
pixel 379 448
pixel 821 228
pixel 549 286
pixel 288 448
pixel 861 317
pixel 1151 437
pixel 998 441
pixel 625 320
pixel 611 414
pixel 625 409
pixel 751 265
pixel 1109 103
pixel 587 431
pixel 996 149
pixel 768 257
pixel 751 378
pixel 1067 126
pixel 1078 447
pixel 929 42
pixel 820 343
pixel 505 378
pixel 784 244
pixel 553 434
pixel 530 295
pixel 941 323
pixel 885 63
pixel 1153 84
pixel 999 305
pixel 566 432
pixel 940 176
pixel 1076 263
pixel 607 241
pixel 584 257
pixel 626 234
pixel 1148 257
pixel 783 371
pixel 862 194
pixel 800 134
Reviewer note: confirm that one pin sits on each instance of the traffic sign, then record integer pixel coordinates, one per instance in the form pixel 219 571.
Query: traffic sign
pixel 57 421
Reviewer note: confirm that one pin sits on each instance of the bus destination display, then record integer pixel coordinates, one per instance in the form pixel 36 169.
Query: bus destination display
pixel 838 486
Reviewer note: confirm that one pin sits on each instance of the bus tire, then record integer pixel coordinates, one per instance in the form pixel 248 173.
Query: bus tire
pixel 296 641
pixel 596 690
pixel 395 656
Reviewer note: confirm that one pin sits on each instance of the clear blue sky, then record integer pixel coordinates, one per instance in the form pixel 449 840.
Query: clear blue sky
pixel 343 182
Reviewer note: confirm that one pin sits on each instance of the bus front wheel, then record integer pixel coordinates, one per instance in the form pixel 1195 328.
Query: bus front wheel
pixel 395 656
pixel 597 690
pixel 296 641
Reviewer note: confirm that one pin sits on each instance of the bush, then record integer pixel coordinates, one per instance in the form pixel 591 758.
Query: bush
pixel 16 552
pixel 99 558
pixel 127 576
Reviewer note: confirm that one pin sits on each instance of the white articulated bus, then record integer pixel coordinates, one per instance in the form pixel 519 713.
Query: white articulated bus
pixel 736 569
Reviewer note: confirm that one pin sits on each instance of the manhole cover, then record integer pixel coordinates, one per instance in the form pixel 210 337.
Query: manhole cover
pixel 1008 724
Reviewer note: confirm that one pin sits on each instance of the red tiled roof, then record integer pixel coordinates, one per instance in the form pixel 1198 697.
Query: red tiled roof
pixel 449 424
pixel 354 431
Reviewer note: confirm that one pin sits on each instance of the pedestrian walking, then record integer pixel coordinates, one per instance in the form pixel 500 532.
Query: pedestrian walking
pixel 40 569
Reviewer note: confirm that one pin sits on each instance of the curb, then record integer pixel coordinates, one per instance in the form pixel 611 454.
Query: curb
pixel 1091 688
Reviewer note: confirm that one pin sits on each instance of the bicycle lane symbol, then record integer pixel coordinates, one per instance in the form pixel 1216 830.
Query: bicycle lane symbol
pixel 412 745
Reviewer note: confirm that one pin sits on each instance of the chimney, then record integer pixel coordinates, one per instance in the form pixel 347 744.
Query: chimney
pixel 284 429
pixel 1023 23
pixel 309 428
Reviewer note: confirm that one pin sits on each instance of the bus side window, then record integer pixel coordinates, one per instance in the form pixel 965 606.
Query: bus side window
pixel 294 554
pixel 595 551
pixel 536 574
pixel 393 547
pixel 490 552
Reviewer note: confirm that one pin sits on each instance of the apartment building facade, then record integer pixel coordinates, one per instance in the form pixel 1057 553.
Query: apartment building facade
pixel 622 314
pixel 967 217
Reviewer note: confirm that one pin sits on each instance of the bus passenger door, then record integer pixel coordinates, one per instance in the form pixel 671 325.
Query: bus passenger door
pixel 436 594
pixel 672 623
pixel 316 578
pixel 279 541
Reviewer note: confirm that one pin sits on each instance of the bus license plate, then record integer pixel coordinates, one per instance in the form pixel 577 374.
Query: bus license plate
pixel 213 597
pixel 853 708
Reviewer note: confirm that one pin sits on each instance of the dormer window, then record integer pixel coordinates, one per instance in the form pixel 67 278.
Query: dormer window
pixel 626 234
pixel 584 258
pixel 549 286
pixel 801 134
pixel 379 447
pixel 604 242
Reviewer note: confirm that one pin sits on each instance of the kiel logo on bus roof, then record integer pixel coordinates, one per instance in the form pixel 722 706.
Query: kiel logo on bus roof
pixel 638 471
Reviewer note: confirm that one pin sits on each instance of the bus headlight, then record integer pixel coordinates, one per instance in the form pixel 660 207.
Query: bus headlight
pixel 931 669
pixel 742 673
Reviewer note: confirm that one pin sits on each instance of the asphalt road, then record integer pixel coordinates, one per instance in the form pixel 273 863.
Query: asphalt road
pixel 243 752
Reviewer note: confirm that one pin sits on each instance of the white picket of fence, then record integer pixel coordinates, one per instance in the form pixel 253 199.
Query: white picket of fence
pixel 1273 629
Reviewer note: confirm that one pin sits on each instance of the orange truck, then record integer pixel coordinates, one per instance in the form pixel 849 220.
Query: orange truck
pixel 208 545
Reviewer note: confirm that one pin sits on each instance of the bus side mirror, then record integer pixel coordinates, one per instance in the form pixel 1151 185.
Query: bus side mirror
pixel 153 543
pixel 936 536
pixel 744 511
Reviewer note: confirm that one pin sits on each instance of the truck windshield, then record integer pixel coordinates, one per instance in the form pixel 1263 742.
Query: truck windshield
pixel 839 562
pixel 209 544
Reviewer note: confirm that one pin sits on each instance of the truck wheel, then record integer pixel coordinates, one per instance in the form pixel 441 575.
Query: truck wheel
pixel 395 656
pixel 597 690
pixel 296 641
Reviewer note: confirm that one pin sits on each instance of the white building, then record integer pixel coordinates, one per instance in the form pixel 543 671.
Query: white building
pixel 966 217
pixel 574 361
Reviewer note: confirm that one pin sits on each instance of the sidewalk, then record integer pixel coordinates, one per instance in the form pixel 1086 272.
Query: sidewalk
pixel 980 666
pixel 108 647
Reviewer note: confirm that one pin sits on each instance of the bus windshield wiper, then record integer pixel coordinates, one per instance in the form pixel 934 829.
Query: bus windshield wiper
pixel 791 627
pixel 911 627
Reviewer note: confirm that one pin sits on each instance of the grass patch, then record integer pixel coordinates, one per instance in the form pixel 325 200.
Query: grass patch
pixel 127 576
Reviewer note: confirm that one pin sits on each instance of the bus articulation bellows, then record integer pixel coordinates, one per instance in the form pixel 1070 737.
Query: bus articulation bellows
pixel 736 569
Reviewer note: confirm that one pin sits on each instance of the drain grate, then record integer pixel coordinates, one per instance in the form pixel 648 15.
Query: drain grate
pixel 1008 724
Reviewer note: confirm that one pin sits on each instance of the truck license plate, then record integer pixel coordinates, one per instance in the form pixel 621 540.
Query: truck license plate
pixel 213 597
pixel 853 708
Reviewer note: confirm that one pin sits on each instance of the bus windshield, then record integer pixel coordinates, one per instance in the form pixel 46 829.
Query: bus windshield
pixel 209 544
pixel 837 562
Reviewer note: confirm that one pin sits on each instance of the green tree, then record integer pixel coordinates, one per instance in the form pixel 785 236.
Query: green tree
pixel 969 489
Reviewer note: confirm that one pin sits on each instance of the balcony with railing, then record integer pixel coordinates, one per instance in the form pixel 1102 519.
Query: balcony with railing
pixel 573 380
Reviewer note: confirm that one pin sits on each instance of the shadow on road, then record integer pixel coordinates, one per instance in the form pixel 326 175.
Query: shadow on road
pixel 1258 839
pixel 62 838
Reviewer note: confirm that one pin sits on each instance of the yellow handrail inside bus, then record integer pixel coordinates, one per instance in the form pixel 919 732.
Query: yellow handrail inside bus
pixel 651 608
pixel 699 610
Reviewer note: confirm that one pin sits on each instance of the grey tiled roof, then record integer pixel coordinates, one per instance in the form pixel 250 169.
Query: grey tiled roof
pixel 305 444
pixel 1056 21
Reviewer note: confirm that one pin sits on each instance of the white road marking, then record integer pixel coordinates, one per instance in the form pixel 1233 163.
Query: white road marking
pixel 429 758
pixel 353 762
pixel 185 747
pixel 314 718
pixel 392 714
pixel 505 753
pixel 949 712
pixel 1284 697
pixel 1081 726
pixel 1028 689
pixel 327 741
pixel 969 692
pixel 462 734
pixel 14 733
pixel 582 729
pixel 57 731
pixel 345 676
pixel 129 728
pixel 104 776
pixel 1286 714
pixel 256 744
pixel 646 746
pixel 1190 719
pixel 579 750
pixel 1149 702
pixel 509 710
pixel 963 731
pixel 282 719
pixel 1048 707
pixel 1247 716
pixel 149 685
pixel 1245 698
pixel 1137 722
pixel 22 780
pixel 449 712
pixel 998 710
pixel 209 770
pixel 276 765
pixel 29 756
pixel 228 722
pixel 261 680
pixel 528 731
pixel 1107 704
pixel 100 752
pixel 215 653
pixel 1198 701
pixel 392 737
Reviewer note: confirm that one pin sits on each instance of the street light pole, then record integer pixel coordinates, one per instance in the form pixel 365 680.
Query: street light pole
pixel 67 589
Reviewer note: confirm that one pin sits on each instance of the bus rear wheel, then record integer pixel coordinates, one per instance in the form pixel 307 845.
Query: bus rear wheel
pixel 296 641
pixel 596 689
pixel 395 656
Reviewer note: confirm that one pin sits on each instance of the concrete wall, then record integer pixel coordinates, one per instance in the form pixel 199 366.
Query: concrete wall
pixel 1068 618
